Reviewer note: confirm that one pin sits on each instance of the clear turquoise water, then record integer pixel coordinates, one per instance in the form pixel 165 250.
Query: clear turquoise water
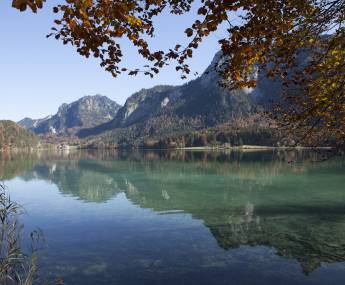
pixel 184 217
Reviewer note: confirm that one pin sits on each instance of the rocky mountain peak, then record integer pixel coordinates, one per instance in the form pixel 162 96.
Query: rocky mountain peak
pixel 88 111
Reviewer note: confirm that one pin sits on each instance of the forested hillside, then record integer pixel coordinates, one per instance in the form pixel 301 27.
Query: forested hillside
pixel 15 136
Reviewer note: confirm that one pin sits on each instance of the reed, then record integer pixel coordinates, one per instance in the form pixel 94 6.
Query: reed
pixel 18 263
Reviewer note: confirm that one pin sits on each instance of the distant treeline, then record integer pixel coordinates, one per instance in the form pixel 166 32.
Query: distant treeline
pixel 216 138
pixel 249 131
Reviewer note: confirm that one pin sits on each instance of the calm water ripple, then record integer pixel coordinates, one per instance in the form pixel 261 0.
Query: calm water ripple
pixel 184 217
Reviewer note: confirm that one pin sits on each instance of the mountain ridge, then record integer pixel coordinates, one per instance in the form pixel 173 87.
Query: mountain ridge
pixel 88 111
pixel 168 110
pixel 171 113
pixel 200 97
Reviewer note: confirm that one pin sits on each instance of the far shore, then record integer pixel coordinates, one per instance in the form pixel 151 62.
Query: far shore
pixel 245 148
pixel 240 148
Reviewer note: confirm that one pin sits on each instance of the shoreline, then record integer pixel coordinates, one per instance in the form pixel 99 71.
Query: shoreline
pixel 249 148
pixel 197 148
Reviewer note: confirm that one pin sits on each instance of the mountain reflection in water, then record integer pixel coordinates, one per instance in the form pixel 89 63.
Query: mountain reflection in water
pixel 243 199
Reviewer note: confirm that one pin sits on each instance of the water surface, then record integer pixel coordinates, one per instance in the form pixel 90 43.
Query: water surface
pixel 184 217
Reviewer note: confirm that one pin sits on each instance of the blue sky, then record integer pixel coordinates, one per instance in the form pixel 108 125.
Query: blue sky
pixel 38 74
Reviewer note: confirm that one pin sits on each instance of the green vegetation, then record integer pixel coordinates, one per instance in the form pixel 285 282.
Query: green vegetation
pixel 14 136
pixel 246 131
pixel 173 132
pixel 17 267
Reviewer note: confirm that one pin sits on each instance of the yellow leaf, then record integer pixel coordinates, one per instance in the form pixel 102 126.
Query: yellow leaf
pixel 133 21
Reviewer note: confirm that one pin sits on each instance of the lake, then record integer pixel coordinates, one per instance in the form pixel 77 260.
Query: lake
pixel 183 217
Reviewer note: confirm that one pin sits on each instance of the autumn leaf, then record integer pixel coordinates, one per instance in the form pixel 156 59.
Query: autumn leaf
pixel 72 24
pixel 133 21
pixel 189 32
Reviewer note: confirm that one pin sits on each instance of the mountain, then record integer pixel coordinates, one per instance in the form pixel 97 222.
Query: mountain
pixel 160 110
pixel 87 112
pixel 14 136
pixel 29 123
pixel 170 111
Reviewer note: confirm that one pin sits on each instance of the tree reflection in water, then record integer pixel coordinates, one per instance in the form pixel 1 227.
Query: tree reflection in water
pixel 242 198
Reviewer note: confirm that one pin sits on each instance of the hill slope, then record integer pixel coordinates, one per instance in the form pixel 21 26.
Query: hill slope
pixel 14 136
